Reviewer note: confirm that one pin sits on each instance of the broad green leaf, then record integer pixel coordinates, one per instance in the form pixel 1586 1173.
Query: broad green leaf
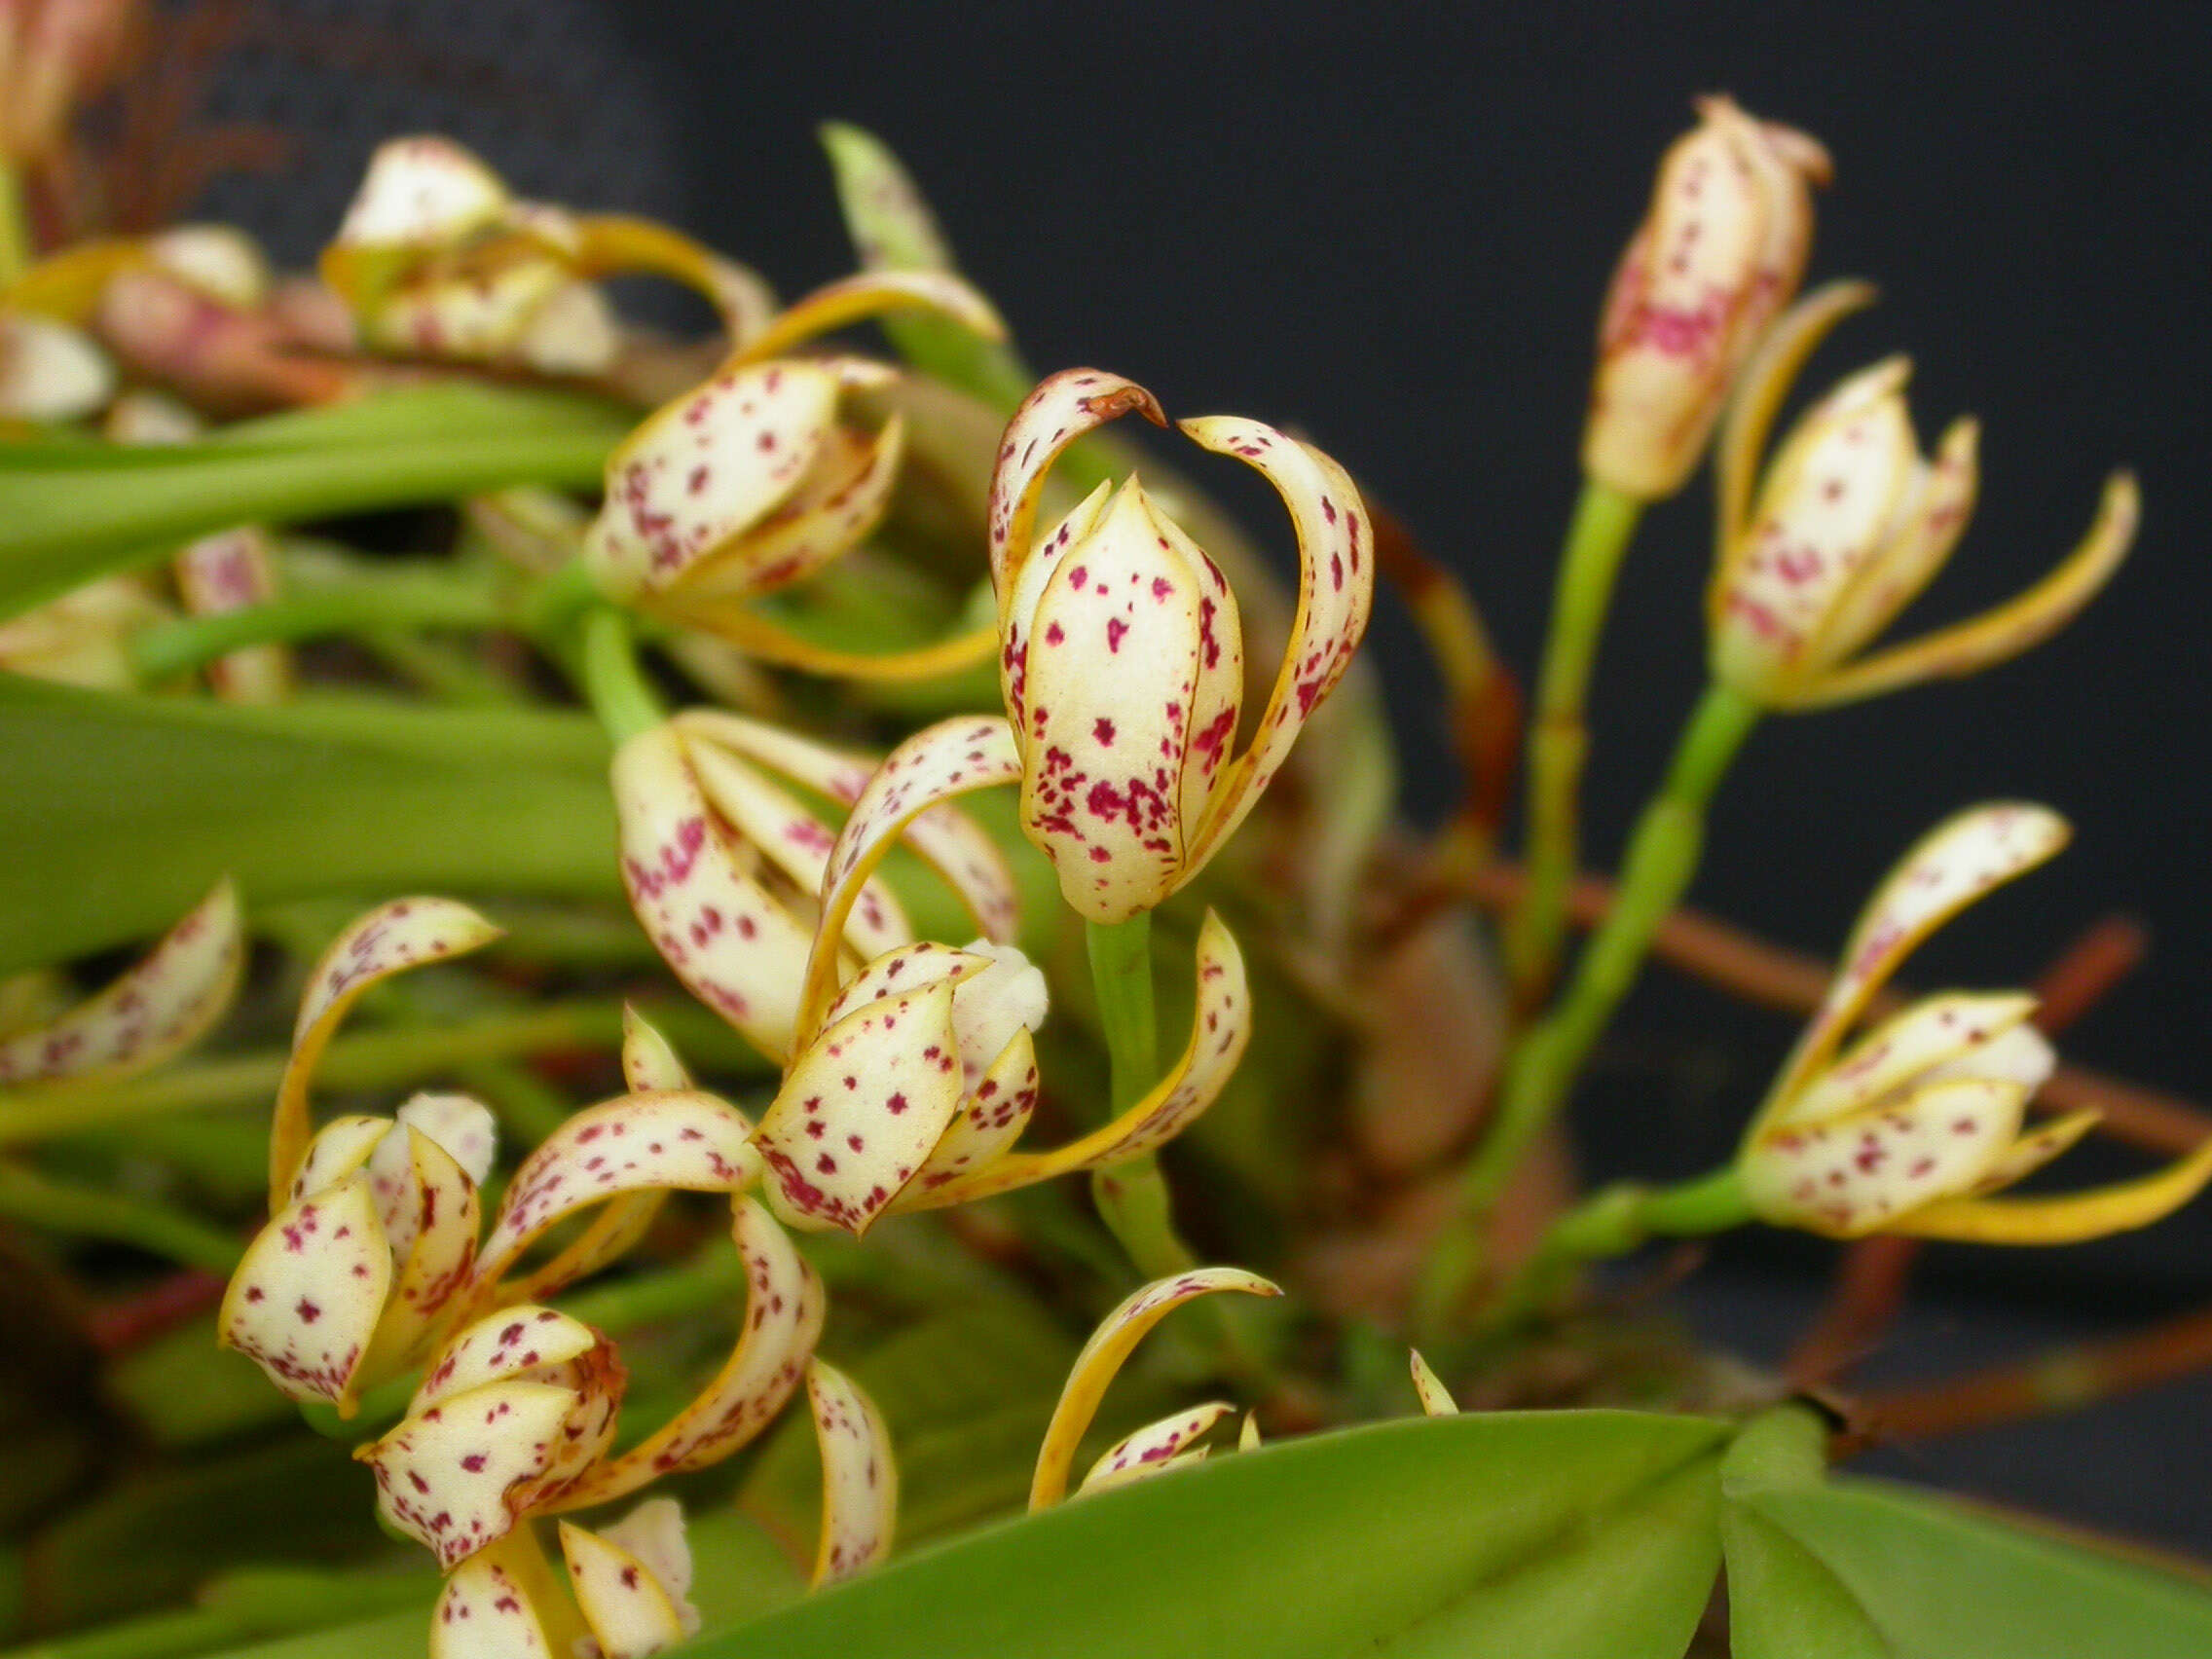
pixel 72 512
pixel 1862 1569
pixel 118 812
pixel 1469 1536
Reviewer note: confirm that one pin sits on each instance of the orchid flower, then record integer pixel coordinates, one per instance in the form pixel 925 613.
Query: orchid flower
pixel 910 1082
pixel 50 373
pixel 168 1001
pixel 760 476
pixel 1717 258
pixel 1159 1446
pixel 1435 1399
pixel 1911 1128
pixel 1849 525
pixel 437 258
pixel 1122 659
pixel 723 865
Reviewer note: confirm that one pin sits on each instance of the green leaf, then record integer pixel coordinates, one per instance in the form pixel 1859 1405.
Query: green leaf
pixel 1862 1569
pixel 1520 1534
pixel 73 512
pixel 118 813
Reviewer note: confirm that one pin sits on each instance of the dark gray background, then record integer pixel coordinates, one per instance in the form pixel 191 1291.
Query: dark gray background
pixel 1392 226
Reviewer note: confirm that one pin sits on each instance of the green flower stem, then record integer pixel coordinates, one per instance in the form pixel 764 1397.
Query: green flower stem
pixel 416 599
pixel 1612 1223
pixel 1133 1196
pixel 1603 523
pixel 614 679
pixel 1662 856
pixel 86 1212
pixel 368 1061
pixel 15 249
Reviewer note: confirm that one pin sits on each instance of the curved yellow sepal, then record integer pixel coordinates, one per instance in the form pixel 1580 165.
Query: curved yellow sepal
pixel 2070 1219
pixel 772 642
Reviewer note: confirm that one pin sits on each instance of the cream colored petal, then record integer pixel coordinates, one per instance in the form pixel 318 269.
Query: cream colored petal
pixel 1248 1436
pixel 1932 1032
pixel 49 372
pixel 2004 632
pixel 230 571
pixel 1104 1355
pixel 629 1611
pixel 871 293
pixel 1860 1174
pixel 484 1613
pixel 1110 682
pixel 572 331
pixel 1156 1446
pixel 434 1242
pixel 2072 1219
pixel 220 261
pixel 784 1307
pixel 930 768
pixel 989 1121
pixel 1435 1399
pixel 524 1343
pixel 1018 608
pixel 860 1477
pixel 732 943
pixel 832 510
pixel 159 1007
pixel 424 190
pixel 392 938
pixel 1009 996
pixel 1963 857
pixel 703 470
pixel 1220 1030
pixel 1335 592
pixel 654 1533
pixel 2034 1149
pixel 1062 409
pixel 860 1108
pixel 339 1147
pixel 790 838
pixel 906 969
pixel 1765 382
pixel 649 1063
pixel 310 1290
pixel 638 1143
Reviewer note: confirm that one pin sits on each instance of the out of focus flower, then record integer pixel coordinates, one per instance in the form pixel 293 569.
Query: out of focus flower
pixel 1121 654
pixel 1717 258
pixel 1910 1128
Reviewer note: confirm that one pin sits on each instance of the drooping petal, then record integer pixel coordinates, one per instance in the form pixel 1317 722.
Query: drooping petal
pixel 2011 628
pixel 2071 1219
pixel 768 640
pixel 1221 1028
pixel 1111 679
pixel 485 1612
pixel 700 471
pixel 609 245
pixel 860 1477
pixel 793 839
pixel 1062 409
pixel 159 1007
pixel 1861 1174
pixel 307 1295
pixel 930 767
pixel 1767 376
pixel 629 1612
pixel 734 947
pixel 1335 592
pixel 1435 1399
pixel 1905 1048
pixel 1963 857
pixel 871 293
pixel 860 1108
pixel 784 1307
pixel 407 932
pixel 1155 1447
pixel 1103 1356
pixel 653 1532
pixel 639 1143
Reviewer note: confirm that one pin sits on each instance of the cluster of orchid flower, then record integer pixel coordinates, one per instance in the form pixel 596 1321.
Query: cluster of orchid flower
pixel 908 1076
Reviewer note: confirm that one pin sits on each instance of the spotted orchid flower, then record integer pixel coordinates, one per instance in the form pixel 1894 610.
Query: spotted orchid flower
pixel 1165 1444
pixel 1910 1127
pixel 156 1009
pixel 762 474
pixel 1122 656
pixel 50 373
pixel 911 1081
pixel 437 258
pixel 1849 525
pixel 723 864
pixel 1428 1387
pixel 1717 256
